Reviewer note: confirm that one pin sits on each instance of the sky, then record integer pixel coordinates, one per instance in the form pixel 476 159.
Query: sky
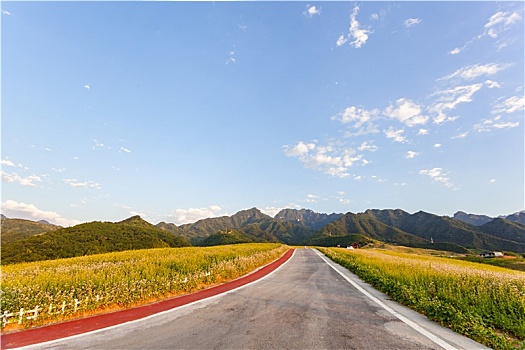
pixel 178 111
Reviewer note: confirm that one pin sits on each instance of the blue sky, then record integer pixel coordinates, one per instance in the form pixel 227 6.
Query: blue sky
pixel 178 111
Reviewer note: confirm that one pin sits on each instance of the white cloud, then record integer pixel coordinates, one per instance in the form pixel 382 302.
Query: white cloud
pixel 437 175
pixel 450 98
pixel 24 181
pixel 494 123
pixel 87 86
pixel 460 136
pixel 422 132
pixel 7 162
pixel 510 105
pixel 84 184
pixel 407 112
pixel 475 71
pixel 395 135
pixel 13 209
pixel 374 16
pixel 368 146
pixel 499 22
pixel 231 58
pixel 311 198
pixel 7 13
pixel 340 197
pixel 97 144
pixel 312 10
pixel 360 35
pixel 492 84
pixel 411 21
pixel 299 149
pixel 360 119
pixel 437 145
pixel 331 160
pixel 191 215
pixel 123 149
pixel 411 154
pixel 441 117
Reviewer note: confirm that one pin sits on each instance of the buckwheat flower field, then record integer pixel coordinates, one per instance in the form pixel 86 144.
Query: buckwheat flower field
pixel 483 302
pixel 41 292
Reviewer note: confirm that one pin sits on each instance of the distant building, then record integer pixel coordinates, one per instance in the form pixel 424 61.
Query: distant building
pixel 354 245
pixel 491 255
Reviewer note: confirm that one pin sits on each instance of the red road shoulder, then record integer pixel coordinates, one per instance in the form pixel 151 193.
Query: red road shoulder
pixel 84 325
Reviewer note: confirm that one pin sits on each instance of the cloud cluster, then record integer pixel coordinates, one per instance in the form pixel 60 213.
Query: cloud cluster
pixel 407 112
pixel 356 33
pixel 476 71
pixel 191 215
pixel 312 11
pixel 81 184
pixel 497 23
pixel 437 175
pixel 411 22
pixel 13 209
pixel 510 105
pixel 494 123
pixel 331 160
pixel 24 181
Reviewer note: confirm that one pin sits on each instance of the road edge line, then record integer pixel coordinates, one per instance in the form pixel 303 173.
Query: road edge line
pixel 404 319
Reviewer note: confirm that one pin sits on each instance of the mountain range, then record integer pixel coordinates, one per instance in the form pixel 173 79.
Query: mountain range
pixel 478 220
pixel 28 240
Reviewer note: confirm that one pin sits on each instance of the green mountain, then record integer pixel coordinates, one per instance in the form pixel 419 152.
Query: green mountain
pixel 227 237
pixel 307 218
pixel 18 229
pixel 478 220
pixel 473 219
pixel 168 227
pixel 503 228
pixel 253 222
pixel 90 238
pixel 367 225
pixel 24 240
pixel 445 230
pixel 518 217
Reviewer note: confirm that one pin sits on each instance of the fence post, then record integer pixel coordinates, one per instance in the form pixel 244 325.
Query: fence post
pixel 63 306
pixel 21 313
pixel 76 305
pixel 35 313
pixel 6 316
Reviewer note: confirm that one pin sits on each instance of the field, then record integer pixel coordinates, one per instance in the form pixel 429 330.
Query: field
pixel 483 302
pixel 55 290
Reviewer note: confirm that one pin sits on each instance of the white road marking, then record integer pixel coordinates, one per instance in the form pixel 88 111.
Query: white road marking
pixel 412 324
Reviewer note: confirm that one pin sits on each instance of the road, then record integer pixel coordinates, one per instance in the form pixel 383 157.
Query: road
pixel 305 304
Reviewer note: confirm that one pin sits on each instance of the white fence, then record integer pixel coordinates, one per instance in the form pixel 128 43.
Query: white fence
pixel 25 315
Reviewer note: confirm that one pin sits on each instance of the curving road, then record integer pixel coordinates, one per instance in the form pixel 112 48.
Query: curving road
pixel 308 303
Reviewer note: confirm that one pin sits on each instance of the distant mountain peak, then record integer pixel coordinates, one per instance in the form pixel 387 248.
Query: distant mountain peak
pixel 307 218
pixel 135 220
pixel 473 219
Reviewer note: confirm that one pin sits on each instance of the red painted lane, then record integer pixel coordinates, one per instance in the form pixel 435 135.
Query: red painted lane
pixel 69 328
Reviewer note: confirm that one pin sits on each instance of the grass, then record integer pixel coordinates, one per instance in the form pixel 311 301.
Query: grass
pixel 483 302
pixel 122 279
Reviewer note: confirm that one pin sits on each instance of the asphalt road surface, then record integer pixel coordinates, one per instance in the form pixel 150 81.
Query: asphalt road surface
pixel 305 304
